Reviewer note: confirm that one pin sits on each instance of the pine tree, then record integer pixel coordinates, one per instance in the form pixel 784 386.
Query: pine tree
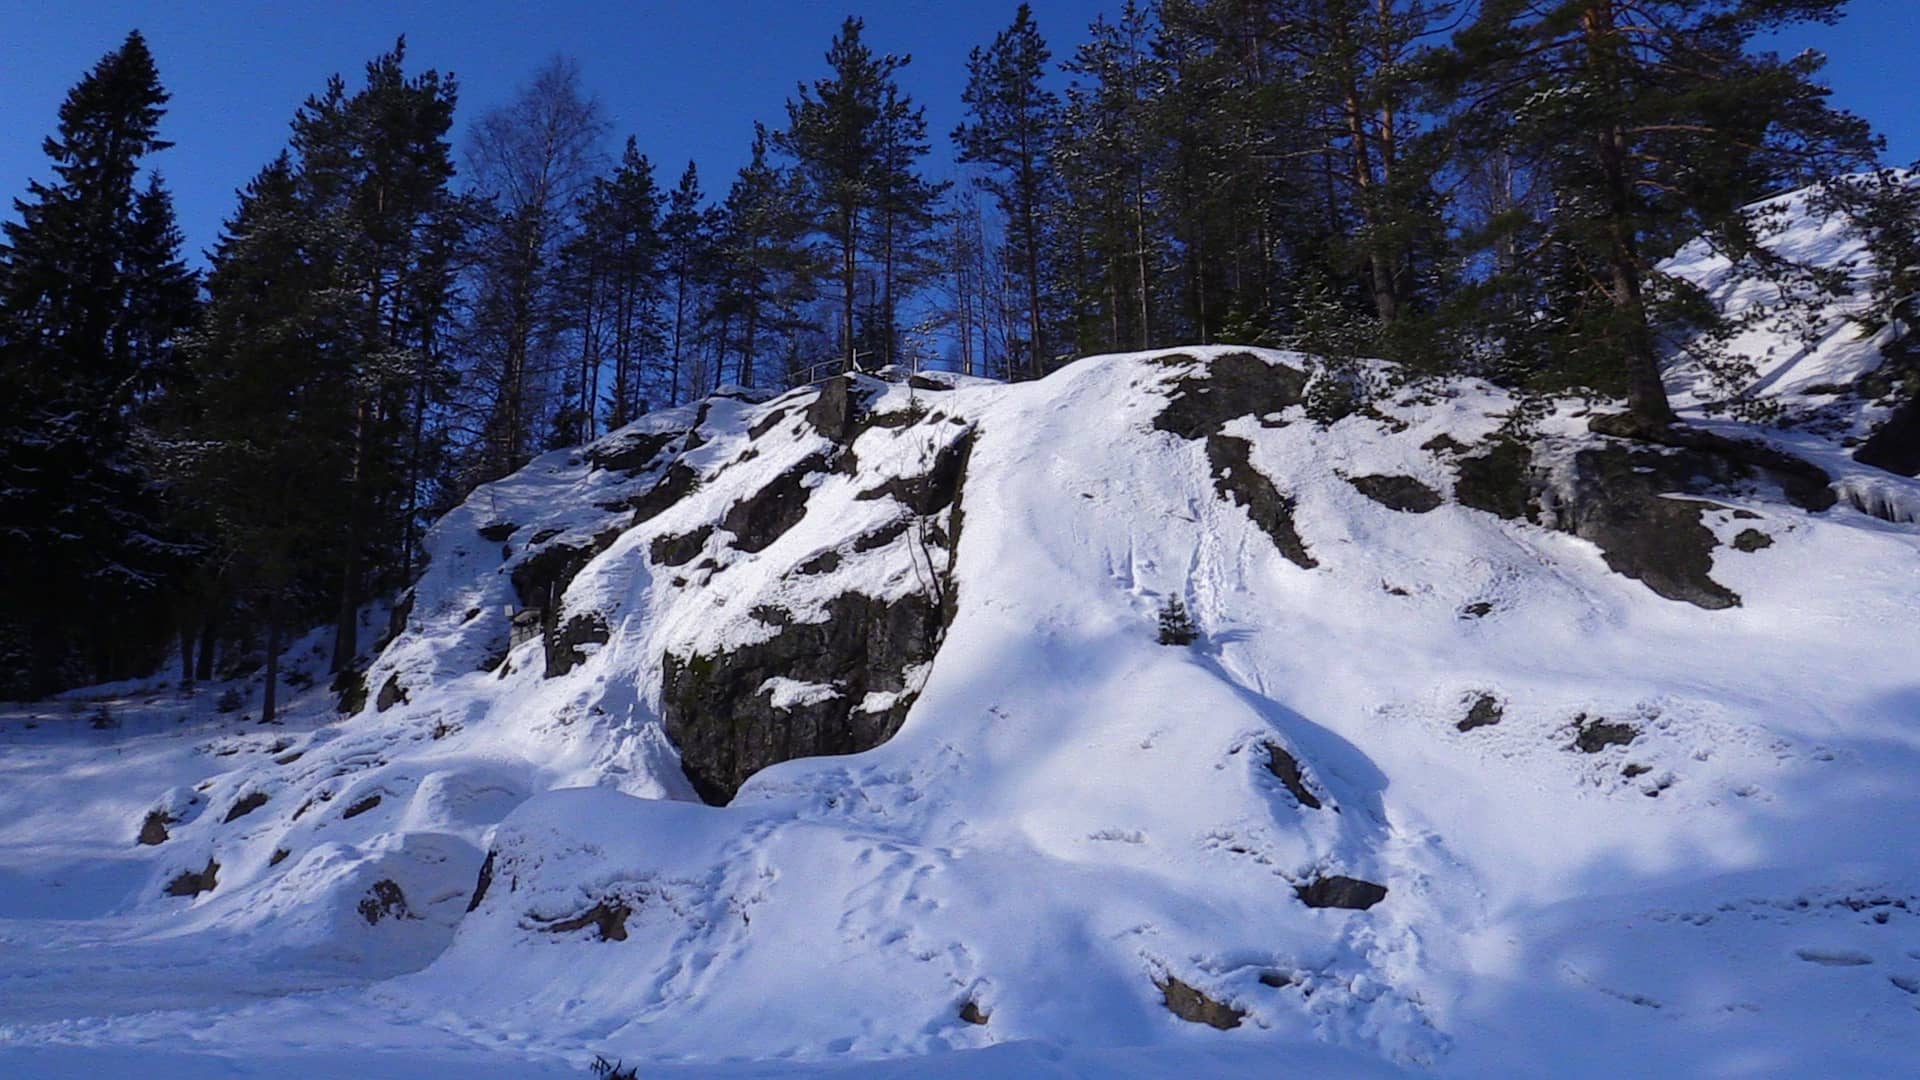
pixel 687 244
pixel 1014 120
pixel 262 465
pixel 764 270
pixel 1651 122
pixel 92 296
pixel 855 138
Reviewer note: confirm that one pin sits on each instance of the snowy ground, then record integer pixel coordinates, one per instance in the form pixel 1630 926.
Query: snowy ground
pixel 1616 832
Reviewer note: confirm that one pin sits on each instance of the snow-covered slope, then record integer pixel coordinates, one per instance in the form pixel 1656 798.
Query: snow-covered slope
pixel 834 732
pixel 1610 825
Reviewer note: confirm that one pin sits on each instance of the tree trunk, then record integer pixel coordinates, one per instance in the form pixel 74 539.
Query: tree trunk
pixel 1646 395
pixel 269 697
pixel 186 657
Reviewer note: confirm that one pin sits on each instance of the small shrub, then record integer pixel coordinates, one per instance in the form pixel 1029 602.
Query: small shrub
pixel 230 700
pixel 298 678
pixel 1176 625
pixel 103 719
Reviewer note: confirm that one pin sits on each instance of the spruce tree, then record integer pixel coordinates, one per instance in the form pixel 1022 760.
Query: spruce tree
pixel 1013 120
pixel 92 296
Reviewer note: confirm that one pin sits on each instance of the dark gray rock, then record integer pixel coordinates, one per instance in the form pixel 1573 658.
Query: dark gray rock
pixel 608 920
pixel 839 411
pixel 1752 540
pixel 763 517
pixel 154 829
pixel 1594 734
pixel 1235 478
pixel 1285 766
pixel 1485 711
pixel 563 646
pixel 361 807
pixel 1499 481
pixel 484 882
pixel 1194 1006
pixel 727 730
pixel 679 481
pixel 1895 444
pixel 384 900
pixel 195 882
pixel 245 805
pixel 678 550
pixel 391 694
pixel 1339 891
pixel 1201 401
pixel 498 532
pixel 934 490
pixel 1402 493
pixel 630 452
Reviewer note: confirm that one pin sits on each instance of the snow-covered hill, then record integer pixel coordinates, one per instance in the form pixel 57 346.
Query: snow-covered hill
pixel 768 736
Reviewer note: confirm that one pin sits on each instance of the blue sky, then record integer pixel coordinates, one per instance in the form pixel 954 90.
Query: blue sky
pixel 688 79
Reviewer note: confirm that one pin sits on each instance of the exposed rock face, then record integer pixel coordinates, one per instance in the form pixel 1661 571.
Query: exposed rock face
pixel 195 882
pixel 1229 387
pixel 384 900
pixel 361 807
pixel 608 919
pixel 154 829
pixel 1287 768
pixel 1339 891
pixel 838 410
pixel 1196 1007
pixel 1594 735
pixel 1499 481
pixel 935 489
pixel 1402 493
pixel 484 882
pixel 1243 485
pixel 680 549
pixel 1485 711
pixel 763 517
pixel 391 694
pixel 630 452
pixel 1895 444
pixel 540 581
pixel 563 647
pixel 245 805
pixel 1624 497
pixel 724 722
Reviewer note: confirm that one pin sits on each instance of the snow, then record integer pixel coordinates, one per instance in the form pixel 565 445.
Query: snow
pixel 1072 813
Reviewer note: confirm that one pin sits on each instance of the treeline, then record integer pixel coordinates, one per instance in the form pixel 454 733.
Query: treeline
pixel 394 312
